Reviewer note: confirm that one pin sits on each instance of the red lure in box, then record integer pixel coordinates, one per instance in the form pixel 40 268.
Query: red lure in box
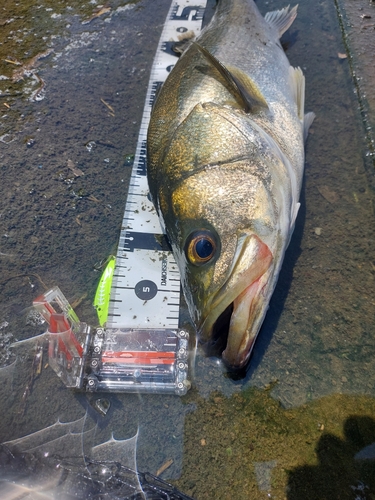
pixel 114 360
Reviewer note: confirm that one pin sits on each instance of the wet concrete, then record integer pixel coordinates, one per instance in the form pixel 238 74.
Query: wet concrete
pixel 357 20
pixel 67 128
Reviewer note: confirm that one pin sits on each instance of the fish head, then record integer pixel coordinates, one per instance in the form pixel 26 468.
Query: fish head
pixel 221 217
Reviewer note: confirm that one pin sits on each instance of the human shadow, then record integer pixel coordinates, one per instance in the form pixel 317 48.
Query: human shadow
pixel 346 468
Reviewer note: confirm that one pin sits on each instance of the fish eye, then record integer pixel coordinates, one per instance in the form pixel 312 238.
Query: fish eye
pixel 201 247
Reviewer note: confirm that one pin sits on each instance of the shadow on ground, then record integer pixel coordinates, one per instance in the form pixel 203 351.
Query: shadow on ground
pixel 346 468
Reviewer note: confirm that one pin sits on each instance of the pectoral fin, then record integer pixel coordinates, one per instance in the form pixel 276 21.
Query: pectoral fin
pixel 309 118
pixel 293 218
pixel 297 84
pixel 239 84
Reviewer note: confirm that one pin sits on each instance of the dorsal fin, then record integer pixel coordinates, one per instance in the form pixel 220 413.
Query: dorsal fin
pixel 281 19
pixel 240 85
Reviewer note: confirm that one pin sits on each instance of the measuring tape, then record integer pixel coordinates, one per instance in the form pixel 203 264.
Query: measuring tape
pixel 140 347
pixel 140 288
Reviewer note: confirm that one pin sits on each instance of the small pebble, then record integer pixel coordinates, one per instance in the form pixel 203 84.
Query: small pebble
pixel 318 231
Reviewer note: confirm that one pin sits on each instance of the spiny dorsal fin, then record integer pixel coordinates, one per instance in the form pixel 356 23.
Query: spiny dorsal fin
pixel 281 19
pixel 241 86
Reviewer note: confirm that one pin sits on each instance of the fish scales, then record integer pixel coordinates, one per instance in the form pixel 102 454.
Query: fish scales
pixel 225 167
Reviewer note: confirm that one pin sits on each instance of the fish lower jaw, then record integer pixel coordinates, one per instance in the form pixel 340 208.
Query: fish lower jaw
pixel 234 320
pixel 240 360
pixel 234 331
pixel 244 326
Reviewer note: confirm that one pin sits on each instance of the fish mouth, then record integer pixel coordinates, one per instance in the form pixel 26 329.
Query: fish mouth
pixel 236 313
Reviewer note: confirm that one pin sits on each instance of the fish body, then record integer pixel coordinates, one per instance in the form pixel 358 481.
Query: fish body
pixel 225 168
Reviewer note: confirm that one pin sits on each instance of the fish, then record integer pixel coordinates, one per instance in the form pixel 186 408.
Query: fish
pixel 225 162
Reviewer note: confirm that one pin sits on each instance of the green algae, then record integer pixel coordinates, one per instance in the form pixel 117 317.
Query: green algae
pixel 311 448
pixel 28 29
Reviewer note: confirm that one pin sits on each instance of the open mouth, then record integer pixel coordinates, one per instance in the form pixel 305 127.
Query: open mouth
pixel 218 341
pixel 233 332
pixel 247 316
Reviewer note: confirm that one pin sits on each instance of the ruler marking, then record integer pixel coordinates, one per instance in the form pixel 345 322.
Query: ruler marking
pixel 149 262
